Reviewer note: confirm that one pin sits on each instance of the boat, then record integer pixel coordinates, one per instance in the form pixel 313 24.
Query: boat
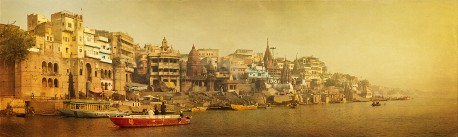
pixel 292 105
pixel 198 109
pixel 243 107
pixel 376 103
pixel 76 108
pixel 150 120
pixel 100 114
pixel 219 108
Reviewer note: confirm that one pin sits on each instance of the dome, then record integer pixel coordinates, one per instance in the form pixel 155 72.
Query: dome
pixel 193 56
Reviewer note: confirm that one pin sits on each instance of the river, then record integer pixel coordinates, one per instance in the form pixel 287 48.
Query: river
pixel 417 117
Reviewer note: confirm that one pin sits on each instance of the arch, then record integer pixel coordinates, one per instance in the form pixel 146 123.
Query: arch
pixel 56 68
pixel 109 73
pixel 44 83
pixel 49 67
pixel 56 83
pixel 106 86
pixel 43 67
pixel 106 73
pixel 50 82
pixel 101 73
pixel 88 71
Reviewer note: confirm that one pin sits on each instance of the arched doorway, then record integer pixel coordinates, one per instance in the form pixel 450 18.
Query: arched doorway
pixel 88 72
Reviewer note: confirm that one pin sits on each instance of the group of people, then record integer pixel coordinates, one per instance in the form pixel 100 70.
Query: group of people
pixel 156 111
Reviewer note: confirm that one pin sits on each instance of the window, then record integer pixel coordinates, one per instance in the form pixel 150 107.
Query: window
pixel 81 71
pixel 66 50
pixel 69 25
pixel 56 83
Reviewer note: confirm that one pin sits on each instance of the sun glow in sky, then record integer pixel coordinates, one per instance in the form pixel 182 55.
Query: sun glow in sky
pixel 407 44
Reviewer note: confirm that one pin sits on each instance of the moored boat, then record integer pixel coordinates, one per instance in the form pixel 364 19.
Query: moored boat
pixel 150 120
pixel 100 114
pixel 198 109
pixel 77 108
pixel 242 107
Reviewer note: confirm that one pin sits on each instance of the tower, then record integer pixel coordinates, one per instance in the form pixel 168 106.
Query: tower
pixel 267 57
pixel 194 66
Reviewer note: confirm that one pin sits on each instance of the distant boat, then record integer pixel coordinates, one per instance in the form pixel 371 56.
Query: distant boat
pixel 198 109
pixel 150 120
pixel 376 103
pixel 292 105
pixel 242 107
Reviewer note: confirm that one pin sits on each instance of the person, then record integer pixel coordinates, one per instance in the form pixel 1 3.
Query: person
pixel 163 107
pixel 181 114
pixel 150 111
pixel 156 112
pixel 144 111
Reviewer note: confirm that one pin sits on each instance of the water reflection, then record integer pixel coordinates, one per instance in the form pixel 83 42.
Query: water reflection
pixel 418 117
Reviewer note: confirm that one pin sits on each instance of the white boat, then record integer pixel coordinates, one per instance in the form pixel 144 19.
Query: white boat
pixel 100 114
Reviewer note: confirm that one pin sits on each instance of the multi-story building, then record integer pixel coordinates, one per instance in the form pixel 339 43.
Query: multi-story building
pixel 208 53
pixel 164 67
pixel 105 66
pixel 123 50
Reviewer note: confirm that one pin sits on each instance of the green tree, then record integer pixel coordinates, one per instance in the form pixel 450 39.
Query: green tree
pixel 364 83
pixel 71 90
pixel 14 48
pixel 14 44
pixel 330 82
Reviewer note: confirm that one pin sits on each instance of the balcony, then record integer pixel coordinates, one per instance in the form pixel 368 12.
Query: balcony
pixel 92 44
pixel 169 73
pixel 104 39
pixel 92 56
pixel 105 51
pixel 106 60
pixel 169 65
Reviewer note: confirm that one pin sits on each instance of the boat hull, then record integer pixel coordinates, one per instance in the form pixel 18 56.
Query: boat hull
pixel 67 112
pixel 242 107
pixel 100 114
pixel 150 120
pixel 198 109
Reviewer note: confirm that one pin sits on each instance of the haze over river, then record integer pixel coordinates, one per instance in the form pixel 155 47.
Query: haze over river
pixel 417 117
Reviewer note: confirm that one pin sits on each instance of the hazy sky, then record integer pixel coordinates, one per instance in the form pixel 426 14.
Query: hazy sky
pixel 406 44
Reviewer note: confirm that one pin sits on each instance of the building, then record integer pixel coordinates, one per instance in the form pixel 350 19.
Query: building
pixel 208 53
pixel 123 52
pixel 163 67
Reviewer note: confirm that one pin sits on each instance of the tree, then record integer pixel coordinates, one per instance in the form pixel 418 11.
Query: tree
pixel 71 90
pixel 14 44
pixel 364 83
pixel 14 48
pixel 330 82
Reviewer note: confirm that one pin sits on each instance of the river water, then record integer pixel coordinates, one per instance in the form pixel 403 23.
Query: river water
pixel 417 117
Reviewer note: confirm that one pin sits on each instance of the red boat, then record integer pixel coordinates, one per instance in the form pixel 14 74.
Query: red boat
pixel 150 120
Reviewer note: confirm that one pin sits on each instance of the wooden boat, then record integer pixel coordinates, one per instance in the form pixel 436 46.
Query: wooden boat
pixel 198 109
pixel 242 107
pixel 292 105
pixel 100 114
pixel 374 104
pixel 150 120
pixel 75 108
pixel 219 108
